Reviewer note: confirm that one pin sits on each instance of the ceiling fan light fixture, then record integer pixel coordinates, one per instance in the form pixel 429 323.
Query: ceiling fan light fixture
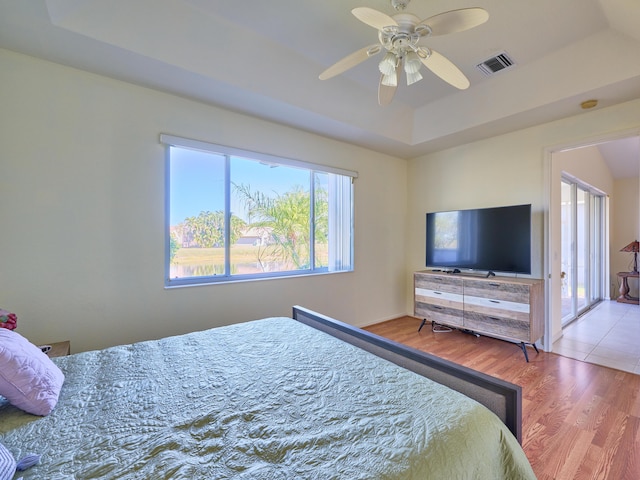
pixel 388 64
pixel 412 63
pixel 390 80
pixel 413 77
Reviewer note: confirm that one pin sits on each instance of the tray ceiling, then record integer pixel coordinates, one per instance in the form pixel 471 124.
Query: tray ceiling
pixel 263 58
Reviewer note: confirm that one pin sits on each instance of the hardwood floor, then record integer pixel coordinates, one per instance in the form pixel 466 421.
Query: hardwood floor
pixel 580 421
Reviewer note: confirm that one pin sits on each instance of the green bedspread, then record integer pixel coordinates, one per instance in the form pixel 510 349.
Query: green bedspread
pixel 269 399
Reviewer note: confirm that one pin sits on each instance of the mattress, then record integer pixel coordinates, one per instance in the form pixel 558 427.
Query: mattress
pixel 268 399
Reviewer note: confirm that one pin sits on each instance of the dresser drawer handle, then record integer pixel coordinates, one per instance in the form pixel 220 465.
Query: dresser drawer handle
pixel 497 285
pixel 494 301
pixel 438 293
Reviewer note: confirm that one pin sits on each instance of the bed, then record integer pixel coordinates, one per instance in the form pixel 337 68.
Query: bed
pixel 306 397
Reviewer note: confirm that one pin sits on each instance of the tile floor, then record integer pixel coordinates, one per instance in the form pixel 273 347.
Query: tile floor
pixel 608 335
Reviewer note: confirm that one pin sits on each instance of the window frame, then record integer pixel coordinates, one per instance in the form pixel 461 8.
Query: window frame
pixel 169 141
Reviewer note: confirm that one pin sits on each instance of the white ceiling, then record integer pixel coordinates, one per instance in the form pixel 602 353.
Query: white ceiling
pixel 263 58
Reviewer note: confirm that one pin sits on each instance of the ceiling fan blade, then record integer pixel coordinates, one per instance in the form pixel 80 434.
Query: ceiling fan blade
pixel 387 92
pixel 446 70
pixel 373 18
pixel 350 61
pixel 456 20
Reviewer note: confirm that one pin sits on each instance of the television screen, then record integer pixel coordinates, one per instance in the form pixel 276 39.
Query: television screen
pixel 489 239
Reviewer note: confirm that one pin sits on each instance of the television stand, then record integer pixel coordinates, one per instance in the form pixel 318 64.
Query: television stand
pixel 506 308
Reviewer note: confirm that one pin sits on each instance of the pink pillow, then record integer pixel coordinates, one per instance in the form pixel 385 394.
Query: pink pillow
pixel 29 379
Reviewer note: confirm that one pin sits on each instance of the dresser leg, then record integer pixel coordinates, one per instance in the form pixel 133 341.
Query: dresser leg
pixel 523 346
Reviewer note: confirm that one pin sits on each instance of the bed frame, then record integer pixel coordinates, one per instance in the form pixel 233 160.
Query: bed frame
pixel 501 397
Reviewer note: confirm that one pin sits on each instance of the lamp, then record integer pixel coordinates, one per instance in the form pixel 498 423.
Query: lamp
pixel 635 248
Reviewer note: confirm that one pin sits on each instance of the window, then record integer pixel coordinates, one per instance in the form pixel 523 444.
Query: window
pixel 237 215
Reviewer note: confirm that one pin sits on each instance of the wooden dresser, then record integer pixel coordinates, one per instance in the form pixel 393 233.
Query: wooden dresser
pixel 502 307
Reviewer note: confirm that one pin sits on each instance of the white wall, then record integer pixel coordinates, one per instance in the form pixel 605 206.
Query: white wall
pixel 585 163
pixel 625 216
pixel 507 169
pixel 493 172
pixel 82 213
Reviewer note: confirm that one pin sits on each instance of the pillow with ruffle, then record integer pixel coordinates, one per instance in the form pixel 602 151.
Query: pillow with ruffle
pixel 8 465
pixel 29 379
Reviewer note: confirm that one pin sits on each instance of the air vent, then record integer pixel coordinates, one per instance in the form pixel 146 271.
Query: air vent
pixel 495 64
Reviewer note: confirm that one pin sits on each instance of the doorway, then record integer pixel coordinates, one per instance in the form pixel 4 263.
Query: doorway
pixel 582 247
pixel 610 162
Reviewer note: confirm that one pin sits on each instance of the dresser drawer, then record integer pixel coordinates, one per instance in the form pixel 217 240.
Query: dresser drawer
pixel 499 308
pixel 506 291
pixel 440 313
pixel 508 328
pixel 440 283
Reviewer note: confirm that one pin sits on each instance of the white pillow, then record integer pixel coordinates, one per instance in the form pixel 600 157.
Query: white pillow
pixel 29 379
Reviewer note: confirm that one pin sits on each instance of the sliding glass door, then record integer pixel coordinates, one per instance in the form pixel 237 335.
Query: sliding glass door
pixel 597 254
pixel 582 248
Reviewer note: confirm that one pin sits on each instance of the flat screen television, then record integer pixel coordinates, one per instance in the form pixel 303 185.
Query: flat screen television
pixel 494 239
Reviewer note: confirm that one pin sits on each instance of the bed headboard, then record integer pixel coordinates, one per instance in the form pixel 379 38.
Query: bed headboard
pixel 501 397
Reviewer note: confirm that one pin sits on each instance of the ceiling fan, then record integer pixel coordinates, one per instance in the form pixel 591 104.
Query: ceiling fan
pixel 400 35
